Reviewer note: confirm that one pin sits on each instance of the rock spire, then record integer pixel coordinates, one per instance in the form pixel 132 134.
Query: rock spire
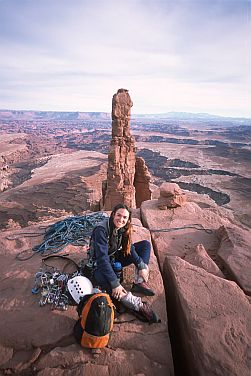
pixel 121 157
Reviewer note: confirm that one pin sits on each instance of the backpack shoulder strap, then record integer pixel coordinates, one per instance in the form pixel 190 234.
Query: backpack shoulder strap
pixel 89 303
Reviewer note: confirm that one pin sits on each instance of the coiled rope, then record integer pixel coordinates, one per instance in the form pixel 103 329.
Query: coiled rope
pixel 73 230
pixel 77 231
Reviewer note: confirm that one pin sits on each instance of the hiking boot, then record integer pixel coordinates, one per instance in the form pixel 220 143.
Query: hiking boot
pixel 131 301
pixel 141 310
pixel 146 313
pixel 142 288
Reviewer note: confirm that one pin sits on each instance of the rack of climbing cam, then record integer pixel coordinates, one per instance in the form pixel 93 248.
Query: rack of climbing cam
pixel 50 282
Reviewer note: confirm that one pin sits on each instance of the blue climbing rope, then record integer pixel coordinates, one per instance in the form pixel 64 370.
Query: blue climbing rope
pixel 72 230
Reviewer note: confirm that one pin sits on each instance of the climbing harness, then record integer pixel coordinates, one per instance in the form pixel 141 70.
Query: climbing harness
pixel 73 230
pixel 61 257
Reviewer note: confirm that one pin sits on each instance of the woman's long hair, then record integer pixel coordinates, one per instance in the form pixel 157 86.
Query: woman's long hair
pixel 127 229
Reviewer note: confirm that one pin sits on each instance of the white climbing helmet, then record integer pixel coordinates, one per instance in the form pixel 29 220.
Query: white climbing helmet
pixel 79 286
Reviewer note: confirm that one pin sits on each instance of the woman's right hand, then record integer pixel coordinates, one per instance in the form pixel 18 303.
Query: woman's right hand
pixel 144 273
pixel 119 292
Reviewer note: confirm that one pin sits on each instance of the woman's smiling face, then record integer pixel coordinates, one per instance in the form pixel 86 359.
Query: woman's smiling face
pixel 120 218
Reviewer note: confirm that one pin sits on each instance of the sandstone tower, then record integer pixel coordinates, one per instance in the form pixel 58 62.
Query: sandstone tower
pixel 128 178
pixel 121 157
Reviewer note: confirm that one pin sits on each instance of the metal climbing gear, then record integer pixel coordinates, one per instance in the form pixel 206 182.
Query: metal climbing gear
pixel 51 283
pixel 53 289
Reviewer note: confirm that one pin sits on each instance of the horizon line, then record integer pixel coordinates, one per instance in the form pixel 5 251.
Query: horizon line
pixel 135 114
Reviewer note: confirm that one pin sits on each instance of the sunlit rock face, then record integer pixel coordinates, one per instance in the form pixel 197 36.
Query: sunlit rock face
pixel 121 158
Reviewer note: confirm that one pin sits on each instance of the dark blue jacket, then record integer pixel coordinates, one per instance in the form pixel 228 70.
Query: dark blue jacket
pixel 102 251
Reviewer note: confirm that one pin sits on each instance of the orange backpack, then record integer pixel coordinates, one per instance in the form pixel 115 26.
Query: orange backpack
pixel 96 317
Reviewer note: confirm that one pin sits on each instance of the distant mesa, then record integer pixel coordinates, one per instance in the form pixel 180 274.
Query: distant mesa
pixel 77 115
pixel 51 115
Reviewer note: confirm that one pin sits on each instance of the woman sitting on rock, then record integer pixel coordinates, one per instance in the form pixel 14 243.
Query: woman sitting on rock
pixel 111 249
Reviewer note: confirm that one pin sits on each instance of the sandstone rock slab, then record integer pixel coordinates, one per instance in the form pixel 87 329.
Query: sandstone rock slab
pixel 36 326
pixel 179 230
pixel 22 360
pixel 155 280
pixel 88 369
pixel 111 361
pixel 64 357
pixel 40 327
pixel 235 253
pixel 52 372
pixel 6 354
pixel 199 257
pixel 211 318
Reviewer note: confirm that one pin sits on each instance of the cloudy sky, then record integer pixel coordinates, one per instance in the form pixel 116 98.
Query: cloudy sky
pixel 172 55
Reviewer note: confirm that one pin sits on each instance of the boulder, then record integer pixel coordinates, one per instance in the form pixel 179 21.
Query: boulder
pixel 170 189
pixel 171 196
pixel 165 203
pixel 210 319
pixel 234 251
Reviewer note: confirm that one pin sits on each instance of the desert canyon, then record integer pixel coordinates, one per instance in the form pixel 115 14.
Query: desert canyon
pixel 187 179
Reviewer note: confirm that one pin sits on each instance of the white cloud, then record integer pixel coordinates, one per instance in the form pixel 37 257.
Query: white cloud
pixel 171 55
